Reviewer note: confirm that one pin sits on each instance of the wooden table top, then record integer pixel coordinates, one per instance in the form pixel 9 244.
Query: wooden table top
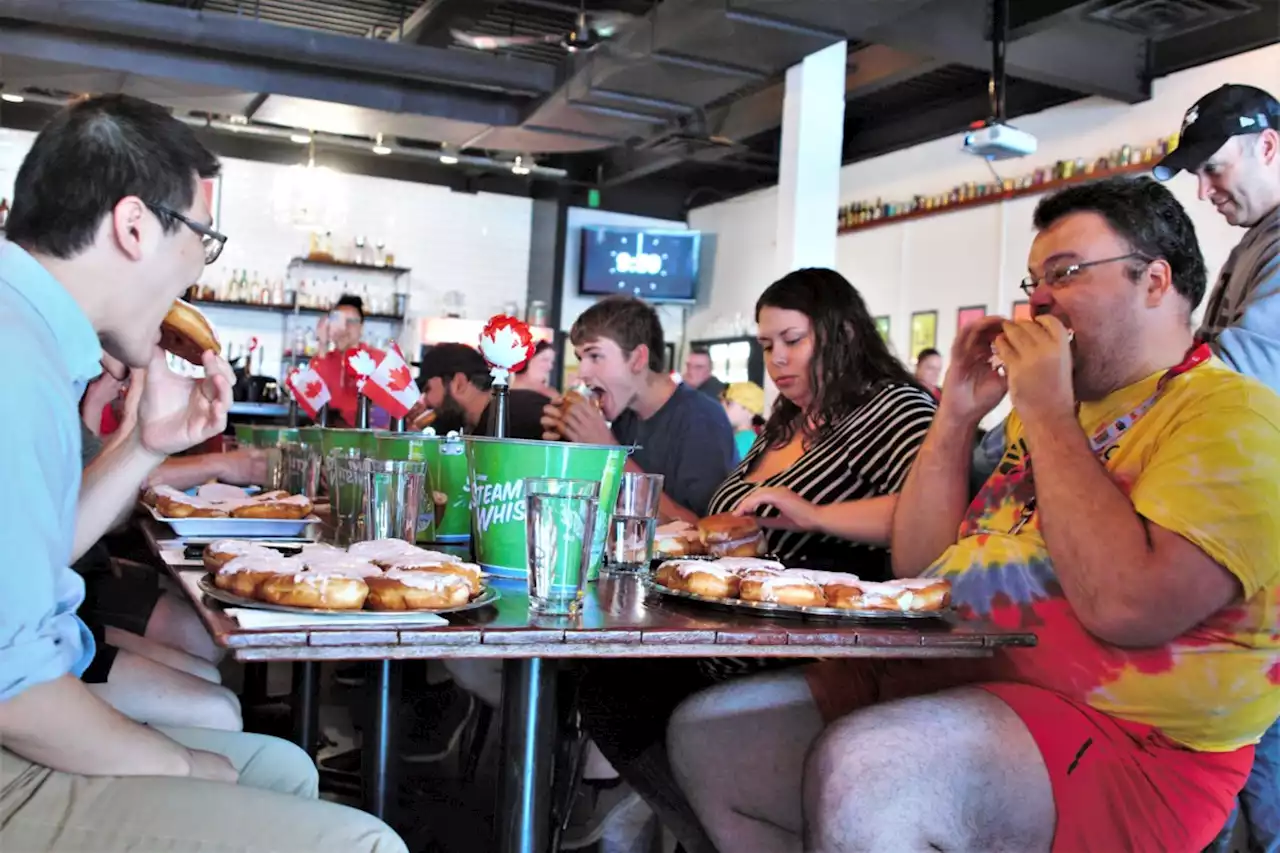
pixel 621 617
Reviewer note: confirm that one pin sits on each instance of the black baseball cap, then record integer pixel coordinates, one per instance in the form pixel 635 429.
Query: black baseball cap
pixel 1227 111
pixel 448 360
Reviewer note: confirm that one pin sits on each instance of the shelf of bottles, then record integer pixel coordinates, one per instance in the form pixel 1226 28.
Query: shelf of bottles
pixel 1126 160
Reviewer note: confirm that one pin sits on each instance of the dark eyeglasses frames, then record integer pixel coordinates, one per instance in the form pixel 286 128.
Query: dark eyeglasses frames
pixel 1060 275
pixel 213 241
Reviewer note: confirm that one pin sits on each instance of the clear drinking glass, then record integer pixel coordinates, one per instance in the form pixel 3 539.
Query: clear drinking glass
pixel 300 465
pixel 629 547
pixel 347 484
pixel 396 494
pixel 560 518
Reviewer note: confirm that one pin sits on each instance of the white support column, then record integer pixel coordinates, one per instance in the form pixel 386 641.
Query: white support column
pixel 809 171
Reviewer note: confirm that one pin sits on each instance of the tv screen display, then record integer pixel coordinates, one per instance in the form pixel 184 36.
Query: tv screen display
pixel 661 266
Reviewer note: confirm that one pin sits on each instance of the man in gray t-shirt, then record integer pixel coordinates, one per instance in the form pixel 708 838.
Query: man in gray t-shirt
pixel 679 432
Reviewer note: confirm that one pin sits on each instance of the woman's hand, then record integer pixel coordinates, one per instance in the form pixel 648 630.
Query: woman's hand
pixel 794 512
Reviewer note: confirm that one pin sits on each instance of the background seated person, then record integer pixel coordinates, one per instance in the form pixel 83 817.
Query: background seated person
pixel 1144 553
pixel 457 385
pixel 676 431
pixel 536 373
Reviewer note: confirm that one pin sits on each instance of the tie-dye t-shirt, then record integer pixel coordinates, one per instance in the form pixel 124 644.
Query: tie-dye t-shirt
pixel 1204 462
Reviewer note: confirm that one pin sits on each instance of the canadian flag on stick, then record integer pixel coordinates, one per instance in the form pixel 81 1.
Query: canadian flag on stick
pixel 360 363
pixel 390 384
pixel 308 389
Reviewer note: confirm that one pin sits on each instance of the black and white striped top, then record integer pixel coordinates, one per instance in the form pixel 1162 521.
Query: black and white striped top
pixel 866 455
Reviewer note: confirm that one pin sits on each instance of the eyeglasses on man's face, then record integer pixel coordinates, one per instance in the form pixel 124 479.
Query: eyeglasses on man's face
pixel 1061 275
pixel 213 241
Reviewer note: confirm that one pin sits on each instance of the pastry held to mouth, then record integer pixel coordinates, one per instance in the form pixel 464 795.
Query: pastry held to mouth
pixel 997 364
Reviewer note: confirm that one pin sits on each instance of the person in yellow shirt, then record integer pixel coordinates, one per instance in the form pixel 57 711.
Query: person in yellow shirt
pixel 1133 524
pixel 744 404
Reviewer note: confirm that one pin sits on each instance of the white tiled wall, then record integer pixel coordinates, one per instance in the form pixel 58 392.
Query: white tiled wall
pixel 475 244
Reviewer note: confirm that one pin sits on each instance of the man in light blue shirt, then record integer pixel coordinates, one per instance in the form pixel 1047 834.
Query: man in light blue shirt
pixel 108 226
pixel 1230 143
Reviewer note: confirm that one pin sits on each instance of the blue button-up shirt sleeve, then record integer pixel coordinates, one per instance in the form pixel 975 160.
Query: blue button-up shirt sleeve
pixel 41 638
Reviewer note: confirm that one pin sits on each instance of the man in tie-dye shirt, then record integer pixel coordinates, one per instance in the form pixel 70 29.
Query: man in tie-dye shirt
pixel 1133 524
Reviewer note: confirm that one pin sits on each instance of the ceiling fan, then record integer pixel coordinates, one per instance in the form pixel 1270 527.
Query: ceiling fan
pixel 589 30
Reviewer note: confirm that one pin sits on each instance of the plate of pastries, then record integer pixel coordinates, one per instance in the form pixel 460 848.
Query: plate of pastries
pixel 217 509
pixel 382 576
pixel 719 561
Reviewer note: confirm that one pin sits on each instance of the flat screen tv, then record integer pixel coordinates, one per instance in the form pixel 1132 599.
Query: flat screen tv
pixel 660 266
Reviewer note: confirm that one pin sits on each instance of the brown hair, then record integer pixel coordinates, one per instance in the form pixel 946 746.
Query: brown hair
pixel 627 322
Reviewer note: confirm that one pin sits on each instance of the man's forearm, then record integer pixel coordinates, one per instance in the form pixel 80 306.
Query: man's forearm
pixel 1096 539
pixel 183 472
pixel 931 506
pixel 62 725
pixel 109 489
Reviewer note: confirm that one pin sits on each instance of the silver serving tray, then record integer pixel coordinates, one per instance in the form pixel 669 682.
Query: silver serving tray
pixel 791 611
pixel 486 597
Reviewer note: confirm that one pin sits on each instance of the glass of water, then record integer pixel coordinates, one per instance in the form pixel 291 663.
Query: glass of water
pixel 347 483
pixel 629 547
pixel 560 518
pixel 396 499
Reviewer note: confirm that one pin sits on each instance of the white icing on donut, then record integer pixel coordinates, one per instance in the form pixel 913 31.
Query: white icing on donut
pixel 316 548
pixel 322 576
pixel 218 492
pixel 676 528
pixel 428 580
pixel 770 583
pixel 684 568
pixel 381 549
pixel 276 565
pixel 241 548
pixel 826 578
pixel 737 565
pixel 343 564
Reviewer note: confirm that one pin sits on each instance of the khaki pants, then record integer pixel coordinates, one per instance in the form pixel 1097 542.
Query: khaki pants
pixel 42 811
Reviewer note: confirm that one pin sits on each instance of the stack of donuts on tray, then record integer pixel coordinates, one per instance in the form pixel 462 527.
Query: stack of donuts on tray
pixel 218 500
pixel 384 574
pixel 720 559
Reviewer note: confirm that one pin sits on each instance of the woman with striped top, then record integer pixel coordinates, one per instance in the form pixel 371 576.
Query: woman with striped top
pixel 823 479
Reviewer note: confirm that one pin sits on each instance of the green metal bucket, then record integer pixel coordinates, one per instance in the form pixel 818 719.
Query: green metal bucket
pixel 332 438
pixel 271 436
pixel 498 469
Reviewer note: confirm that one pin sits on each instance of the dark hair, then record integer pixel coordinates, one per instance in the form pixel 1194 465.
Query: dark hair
pixel 538 349
pixel 627 322
pixel 1147 216
pixel 925 353
pixel 94 153
pixel 850 359
pixel 352 301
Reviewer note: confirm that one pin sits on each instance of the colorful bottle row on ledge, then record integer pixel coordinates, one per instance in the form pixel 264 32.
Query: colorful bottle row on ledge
pixel 862 212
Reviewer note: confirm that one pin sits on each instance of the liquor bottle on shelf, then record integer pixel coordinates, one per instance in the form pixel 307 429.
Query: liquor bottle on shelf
pixel 242 287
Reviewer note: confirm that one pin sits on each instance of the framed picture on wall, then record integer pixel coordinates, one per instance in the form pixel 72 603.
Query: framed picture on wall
pixel 924 332
pixel 212 189
pixel 882 326
pixel 1021 310
pixel 969 314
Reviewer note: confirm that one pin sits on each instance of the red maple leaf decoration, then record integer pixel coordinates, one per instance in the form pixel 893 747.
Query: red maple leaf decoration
pixel 399 378
pixel 312 389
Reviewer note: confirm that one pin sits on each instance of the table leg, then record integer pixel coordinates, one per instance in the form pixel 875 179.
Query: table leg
pixel 523 823
pixel 379 739
pixel 306 705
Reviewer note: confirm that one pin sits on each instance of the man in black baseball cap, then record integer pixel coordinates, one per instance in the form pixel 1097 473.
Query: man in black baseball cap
pixel 456 383
pixel 1230 142
pixel 1226 112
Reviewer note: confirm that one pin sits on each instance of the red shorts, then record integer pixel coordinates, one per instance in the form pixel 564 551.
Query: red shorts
pixel 1117 785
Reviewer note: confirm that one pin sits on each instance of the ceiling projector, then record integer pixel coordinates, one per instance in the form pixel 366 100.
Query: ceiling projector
pixel 999 142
